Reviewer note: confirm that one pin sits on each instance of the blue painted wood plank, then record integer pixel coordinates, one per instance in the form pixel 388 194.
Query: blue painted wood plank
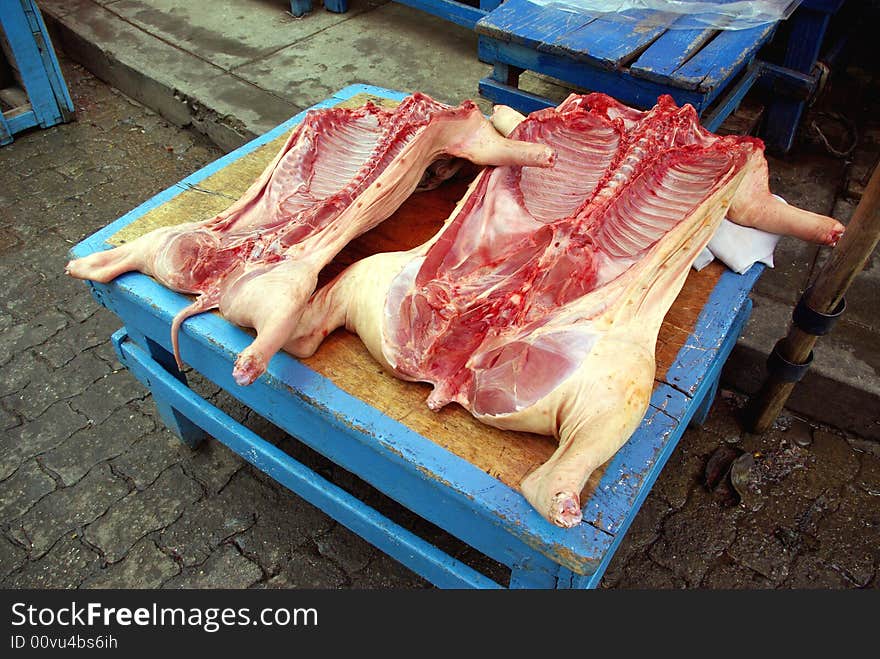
pixel 730 296
pixel 630 90
pixel 804 44
pixel 50 61
pixel 398 542
pixel 526 24
pixel 721 59
pixel 525 576
pixel 805 40
pixel 672 49
pixel 713 119
pixel 22 122
pixel 502 94
pixel 704 405
pixel 455 12
pixel 5 133
pixel 607 43
pixel 24 50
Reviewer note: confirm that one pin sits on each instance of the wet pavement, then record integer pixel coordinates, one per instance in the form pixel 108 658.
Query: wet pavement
pixel 94 492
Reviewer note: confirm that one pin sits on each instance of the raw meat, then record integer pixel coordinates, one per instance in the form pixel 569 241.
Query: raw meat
pixel 537 306
pixel 340 173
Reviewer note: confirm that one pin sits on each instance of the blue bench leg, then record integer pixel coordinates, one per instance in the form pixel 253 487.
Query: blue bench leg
pixel 501 88
pixel 534 574
pixel 5 135
pixel 705 405
pixel 784 115
pixel 300 7
pixel 189 433
pixel 336 6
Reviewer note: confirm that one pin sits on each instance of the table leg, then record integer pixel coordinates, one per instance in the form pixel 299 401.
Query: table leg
pixel 300 7
pixel 784 115
pixel 705 405
pixel 537 573
pixel 336 6
pixel 189 433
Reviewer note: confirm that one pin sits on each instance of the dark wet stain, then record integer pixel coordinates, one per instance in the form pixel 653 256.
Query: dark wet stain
pixel 7 241
pixel 189 33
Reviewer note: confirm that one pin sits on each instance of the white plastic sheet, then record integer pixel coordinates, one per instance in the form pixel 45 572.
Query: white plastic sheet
pixel 683 14
pixel 739 247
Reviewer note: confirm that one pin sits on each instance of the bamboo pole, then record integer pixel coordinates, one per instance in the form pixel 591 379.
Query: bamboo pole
pixel 846 261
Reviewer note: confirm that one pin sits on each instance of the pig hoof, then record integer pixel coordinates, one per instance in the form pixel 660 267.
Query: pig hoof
pixel 247 369
pixel 565 510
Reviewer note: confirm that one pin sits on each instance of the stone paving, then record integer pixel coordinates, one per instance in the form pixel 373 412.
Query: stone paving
pixel 95 493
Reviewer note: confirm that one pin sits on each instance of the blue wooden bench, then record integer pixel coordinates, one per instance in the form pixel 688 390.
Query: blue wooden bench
pixel 38 92
pixel 710 69
pixel 439 465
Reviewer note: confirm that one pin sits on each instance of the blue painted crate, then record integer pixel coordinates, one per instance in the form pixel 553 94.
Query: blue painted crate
pixel 29 51
pixel 443 488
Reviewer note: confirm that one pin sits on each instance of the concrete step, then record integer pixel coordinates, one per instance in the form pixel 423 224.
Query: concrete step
pixel 184 88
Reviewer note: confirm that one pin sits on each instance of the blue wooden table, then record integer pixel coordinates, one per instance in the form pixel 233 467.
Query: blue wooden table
pixel 636 61
pixel 350 412
pixel 46 101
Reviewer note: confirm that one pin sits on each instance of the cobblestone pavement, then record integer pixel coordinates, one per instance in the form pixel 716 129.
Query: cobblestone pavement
pixel 95 493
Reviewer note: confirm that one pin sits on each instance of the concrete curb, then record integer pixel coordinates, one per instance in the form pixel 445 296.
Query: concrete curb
pixel 840 389
pixel 184 89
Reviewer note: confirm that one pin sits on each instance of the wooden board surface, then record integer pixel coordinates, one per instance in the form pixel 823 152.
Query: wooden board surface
pixel 506 455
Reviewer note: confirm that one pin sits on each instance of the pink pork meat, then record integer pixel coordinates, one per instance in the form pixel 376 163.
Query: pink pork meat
pixel 340 173
pixel 538 305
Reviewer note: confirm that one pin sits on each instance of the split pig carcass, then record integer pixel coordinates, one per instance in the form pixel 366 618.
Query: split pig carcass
pixel 340 173
pixel 537 306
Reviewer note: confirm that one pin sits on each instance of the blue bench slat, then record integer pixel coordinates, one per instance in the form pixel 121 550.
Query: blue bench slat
pixel 828 6
pixel 626 88
pixel 449 10
pixel 605 42
pixel 669 52
pixel 527 24
pixel 722 58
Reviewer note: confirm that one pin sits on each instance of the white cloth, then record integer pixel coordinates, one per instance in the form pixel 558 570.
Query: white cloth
pixel 738 247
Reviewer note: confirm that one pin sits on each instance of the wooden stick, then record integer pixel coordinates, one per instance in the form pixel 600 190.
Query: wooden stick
pixel 846 261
